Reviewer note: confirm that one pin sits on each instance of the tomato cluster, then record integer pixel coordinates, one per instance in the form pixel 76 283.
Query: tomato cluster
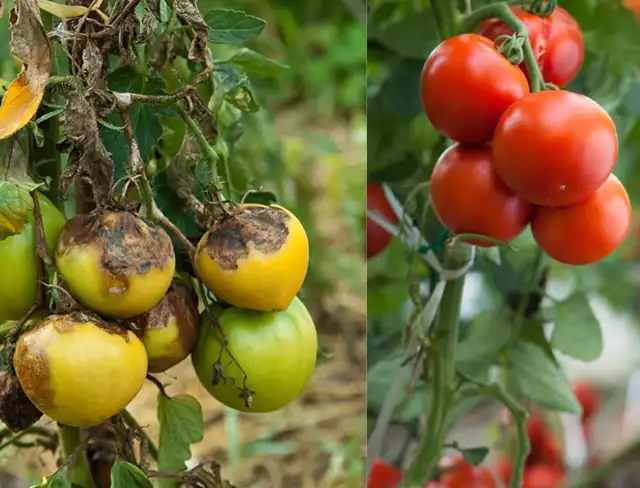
pixel 134 315
pixel 456 473
pixel 377 237
pixel 543 158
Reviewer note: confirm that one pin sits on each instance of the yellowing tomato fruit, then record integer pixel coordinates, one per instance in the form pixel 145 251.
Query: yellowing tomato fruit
pixel 79 370
pixel 276 350
pixel 115 263
pixel 256 258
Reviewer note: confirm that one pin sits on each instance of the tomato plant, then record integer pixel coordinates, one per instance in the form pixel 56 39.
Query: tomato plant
pixel 562 164
pixel 458 89
pixel 461 179
pixel 556 40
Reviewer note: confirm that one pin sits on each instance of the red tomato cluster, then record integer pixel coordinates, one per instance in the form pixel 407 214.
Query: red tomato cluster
pixel 458 473
pixel 520 158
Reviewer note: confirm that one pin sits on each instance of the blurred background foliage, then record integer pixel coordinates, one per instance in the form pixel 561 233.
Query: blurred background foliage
pixel 306 145
pixel 402 150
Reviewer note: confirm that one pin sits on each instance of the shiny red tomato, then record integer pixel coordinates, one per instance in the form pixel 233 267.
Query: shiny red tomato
pixel 556 40
pixel 377 237
pixel 468 197
pixel 464 475
pixel 383 475
pixel 587 232
pixel 466 85
pixel 541 476
pixel 555 148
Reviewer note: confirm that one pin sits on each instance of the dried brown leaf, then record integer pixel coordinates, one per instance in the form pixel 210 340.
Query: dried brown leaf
pixel 30 45
pixel 92 61
pixel 1 9
pixel 89 158
pixel 187 11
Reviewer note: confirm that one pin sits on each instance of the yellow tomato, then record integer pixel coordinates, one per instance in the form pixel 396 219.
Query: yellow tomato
pixel 276 350
pixel 115 263
pixel 19 262
pixel 255 259
pixel 79 370
pixel 169 330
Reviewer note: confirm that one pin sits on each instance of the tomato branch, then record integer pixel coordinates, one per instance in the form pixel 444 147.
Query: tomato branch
pixel 501 11
pixel 497 391
pixel 447 15
pixel 74 452
pixel 132 422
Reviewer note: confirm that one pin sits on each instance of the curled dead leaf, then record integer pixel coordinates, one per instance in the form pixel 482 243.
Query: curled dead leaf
pixel 187 11
pixel 30 45
pixel 64 11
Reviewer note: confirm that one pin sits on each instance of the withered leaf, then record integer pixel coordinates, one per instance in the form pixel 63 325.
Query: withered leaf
pixel 1 9
pixel 187 11
pixel 92 61
pixel 89 158
pixel 30 45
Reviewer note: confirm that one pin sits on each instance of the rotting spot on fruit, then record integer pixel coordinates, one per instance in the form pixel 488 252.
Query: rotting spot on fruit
pixel 259 228
pixel 17 412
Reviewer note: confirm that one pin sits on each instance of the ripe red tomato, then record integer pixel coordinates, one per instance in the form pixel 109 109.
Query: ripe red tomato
pixel 587 232
pixel 464 475
pixel 383 475
pixel 468 197
pixel 541 476
pixel 555 148
pixel 556 40
pixel 377 237
pixel 545 446
pixel 589 398
pixel 466 85
pixel 504 469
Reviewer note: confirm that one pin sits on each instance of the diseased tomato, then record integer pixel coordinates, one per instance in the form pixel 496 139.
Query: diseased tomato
pixel 466 85
pixel 377 237
pixel 587 232
pixel 79 370
pixel 115 263
pixel 256 258
pixel 556 40
pixel 555 148
pixel 19 262
pixel 468 197
pixel 541 476
pixel 276 350
pixel 383 475
pixel 464 475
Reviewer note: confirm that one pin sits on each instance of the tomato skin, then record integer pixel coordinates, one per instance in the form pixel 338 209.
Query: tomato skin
pixel 19 262
pixel 464 475
pixel 377 237
pixel 542 476
pixel 556 40
pixel 383 475
pixel 555 148
pixel 277 351
pixel 468 196
pixel 587 232
pixel 466 85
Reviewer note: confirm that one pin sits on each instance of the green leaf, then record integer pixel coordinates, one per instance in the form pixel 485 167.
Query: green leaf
pixel 126 475
pixel 180 426
pixel 16 206
pixel 474 455
pixel 241 96
pixel 232 26
pixel 538 378
pixel 59 479
pixel 484 339
pixel 577 332
pixel 255 63
pixel 261 197
pixel 491 254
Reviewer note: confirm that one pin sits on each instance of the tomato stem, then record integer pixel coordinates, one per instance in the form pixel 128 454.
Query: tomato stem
pixel 440 362
pixel 72 447
pixel 447 17
pixel 503 12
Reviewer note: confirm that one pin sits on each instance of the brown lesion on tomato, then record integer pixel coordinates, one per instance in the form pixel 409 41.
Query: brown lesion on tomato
pixel 127 244
pixel 264 229
pixel 32 367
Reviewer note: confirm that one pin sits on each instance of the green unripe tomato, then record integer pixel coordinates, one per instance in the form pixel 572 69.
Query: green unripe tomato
pixel 277 351
pixel 19 262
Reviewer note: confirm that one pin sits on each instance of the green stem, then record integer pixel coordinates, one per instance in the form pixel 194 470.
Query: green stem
pixel 71 438
pixel 497 391
pixel 441 363
pixel 133 423
pixel 501 11
pixel 447 17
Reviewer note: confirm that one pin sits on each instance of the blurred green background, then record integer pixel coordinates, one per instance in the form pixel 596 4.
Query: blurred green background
pixel 306 145
pixel 402 150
